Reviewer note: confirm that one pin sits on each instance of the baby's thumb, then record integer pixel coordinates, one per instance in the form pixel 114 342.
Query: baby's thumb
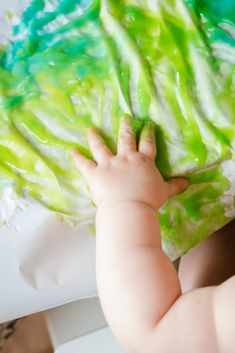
pixel 177 185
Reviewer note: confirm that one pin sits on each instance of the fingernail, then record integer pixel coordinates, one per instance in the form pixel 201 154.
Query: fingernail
pixel 90 129
pixel 185 184
pixel 148 128
pixel 126 118
pixel 149 124
pixel 75 153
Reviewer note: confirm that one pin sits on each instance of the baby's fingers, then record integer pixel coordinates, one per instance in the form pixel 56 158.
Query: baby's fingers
pixel 98 147
pixel 126 139
pixel 177 185
pixel 147 143
pixel 85 165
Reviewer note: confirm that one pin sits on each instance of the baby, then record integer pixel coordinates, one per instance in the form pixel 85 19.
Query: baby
pixel 139 288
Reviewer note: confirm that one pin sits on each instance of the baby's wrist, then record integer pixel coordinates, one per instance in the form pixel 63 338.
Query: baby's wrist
pixel 119 203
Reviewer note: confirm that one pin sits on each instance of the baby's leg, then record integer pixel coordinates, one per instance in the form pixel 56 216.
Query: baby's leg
pixel 211 262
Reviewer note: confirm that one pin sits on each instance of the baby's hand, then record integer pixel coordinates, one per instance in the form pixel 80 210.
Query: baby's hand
pixel 131 175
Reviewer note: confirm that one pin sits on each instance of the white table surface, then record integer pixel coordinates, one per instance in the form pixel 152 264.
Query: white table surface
pixel 44 263
pixel 100 341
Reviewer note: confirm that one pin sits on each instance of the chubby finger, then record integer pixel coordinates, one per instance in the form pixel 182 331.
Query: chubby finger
pixel 85 165
pixel 99 149
pixel 147 143
pixel 127 139
pixel 177 185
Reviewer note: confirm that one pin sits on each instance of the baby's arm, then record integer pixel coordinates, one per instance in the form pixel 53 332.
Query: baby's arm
pixel 211 262
pixel 138 286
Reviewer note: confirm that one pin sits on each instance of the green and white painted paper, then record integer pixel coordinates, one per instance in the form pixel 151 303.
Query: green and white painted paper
pixel 74 64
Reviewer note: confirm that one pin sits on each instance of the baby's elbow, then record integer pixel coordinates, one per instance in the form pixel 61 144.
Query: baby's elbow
pixel 145 341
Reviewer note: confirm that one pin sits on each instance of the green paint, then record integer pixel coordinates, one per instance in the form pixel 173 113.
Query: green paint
pixel 74 66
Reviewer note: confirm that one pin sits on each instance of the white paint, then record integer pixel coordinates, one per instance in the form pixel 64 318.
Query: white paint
pixel 228 199
pixel 224 52
pixel 9 205
pixel 228 28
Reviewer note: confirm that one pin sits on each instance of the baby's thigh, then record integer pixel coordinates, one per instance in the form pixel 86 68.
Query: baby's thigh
pixel 211 262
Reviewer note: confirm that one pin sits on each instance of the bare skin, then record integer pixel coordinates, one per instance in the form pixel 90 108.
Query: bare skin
pixel 211 262
pixel 139 288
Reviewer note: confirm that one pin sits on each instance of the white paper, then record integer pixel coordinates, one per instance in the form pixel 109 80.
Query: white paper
pixel 44 262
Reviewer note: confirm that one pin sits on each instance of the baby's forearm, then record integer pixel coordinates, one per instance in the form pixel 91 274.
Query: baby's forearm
pixel 136 281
